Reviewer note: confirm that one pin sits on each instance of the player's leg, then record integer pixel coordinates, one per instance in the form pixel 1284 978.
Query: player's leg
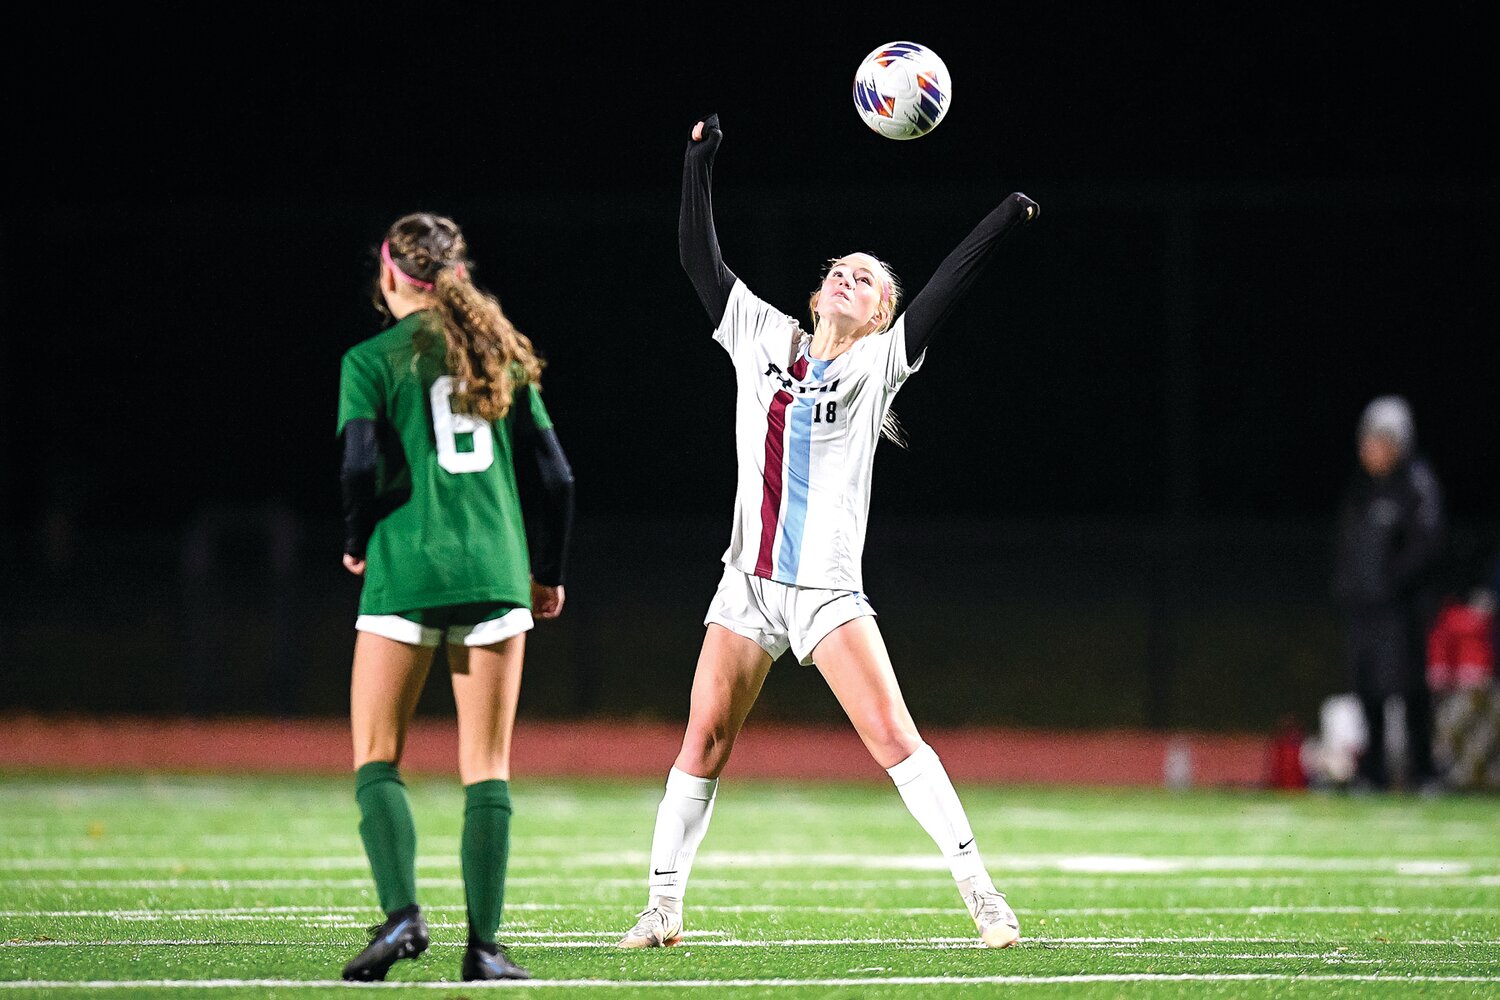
pixel 1369 688
pixel 486 688
pixel 385 685
pixel 1372 771
pixel 854 661
pixel 384 689
pixel 1423 773
pixel 1417 698
pixel 730 672
pixel 728 678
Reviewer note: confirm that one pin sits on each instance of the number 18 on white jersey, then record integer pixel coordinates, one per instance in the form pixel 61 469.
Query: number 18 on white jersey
pixel 805 437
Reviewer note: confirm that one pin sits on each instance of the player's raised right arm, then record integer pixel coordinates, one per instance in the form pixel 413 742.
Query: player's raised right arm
pixel 959 269
pixel 697 240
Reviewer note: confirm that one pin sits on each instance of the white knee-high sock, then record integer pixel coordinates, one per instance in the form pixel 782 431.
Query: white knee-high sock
pixel 924 786
pixel 681 821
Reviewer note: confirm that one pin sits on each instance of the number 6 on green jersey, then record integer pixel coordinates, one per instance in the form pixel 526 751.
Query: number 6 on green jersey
pixel 447 427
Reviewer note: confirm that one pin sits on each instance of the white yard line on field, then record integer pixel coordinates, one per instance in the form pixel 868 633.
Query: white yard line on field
pixel 151 943
pixel 912 911
pixel 1327 957
pixel 532 939
pixel 228 883
pixel 1103 864
pixel 1127 911
pixel 866 981
pixel 1113 942
pixel 108 862
pixel 554 938
pixel 900 944
pixel 934 883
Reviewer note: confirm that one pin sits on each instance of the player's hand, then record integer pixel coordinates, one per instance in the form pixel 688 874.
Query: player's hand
pixel 707 134
pixel 546 602
pixel 353 565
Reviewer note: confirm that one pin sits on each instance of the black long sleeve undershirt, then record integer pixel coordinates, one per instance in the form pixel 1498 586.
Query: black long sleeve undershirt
pixel 697 239
pixel 698 247
pixel 932 306
pixel 545 480
pixel 358 474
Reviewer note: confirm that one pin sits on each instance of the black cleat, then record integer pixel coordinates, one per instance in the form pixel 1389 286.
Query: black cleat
pixel 490 961
pixel 403 935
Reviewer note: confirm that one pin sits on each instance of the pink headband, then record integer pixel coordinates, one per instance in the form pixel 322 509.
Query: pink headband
pixel 426 286
pixel 385 255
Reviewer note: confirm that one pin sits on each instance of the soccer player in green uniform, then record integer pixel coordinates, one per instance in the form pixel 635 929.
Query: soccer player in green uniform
pixel 443 428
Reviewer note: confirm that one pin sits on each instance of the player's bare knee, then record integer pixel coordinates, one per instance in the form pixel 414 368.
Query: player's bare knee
pixel 705 749
pixel 890 744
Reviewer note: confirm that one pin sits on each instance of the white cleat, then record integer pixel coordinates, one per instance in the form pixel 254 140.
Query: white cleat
pixel 997 923
pixel 655 927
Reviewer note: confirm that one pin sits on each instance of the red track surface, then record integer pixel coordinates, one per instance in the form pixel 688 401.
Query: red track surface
pixel 621 749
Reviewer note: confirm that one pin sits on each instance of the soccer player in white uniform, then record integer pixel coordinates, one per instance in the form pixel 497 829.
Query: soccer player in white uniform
pixel 809 412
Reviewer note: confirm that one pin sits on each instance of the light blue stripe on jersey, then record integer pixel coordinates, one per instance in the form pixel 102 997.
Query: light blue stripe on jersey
pixel 798 460
pixel 798 472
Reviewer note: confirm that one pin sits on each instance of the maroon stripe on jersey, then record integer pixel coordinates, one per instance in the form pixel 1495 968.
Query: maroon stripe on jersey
pixel 771 482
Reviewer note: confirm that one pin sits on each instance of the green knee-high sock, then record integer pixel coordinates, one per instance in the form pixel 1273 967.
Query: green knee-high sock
pixel 485 852
pixel 389 834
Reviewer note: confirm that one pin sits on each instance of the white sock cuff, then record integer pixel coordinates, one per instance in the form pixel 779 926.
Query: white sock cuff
pixel 691 787
pixel 922 759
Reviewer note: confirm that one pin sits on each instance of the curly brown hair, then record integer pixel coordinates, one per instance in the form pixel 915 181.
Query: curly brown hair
pixel 487 356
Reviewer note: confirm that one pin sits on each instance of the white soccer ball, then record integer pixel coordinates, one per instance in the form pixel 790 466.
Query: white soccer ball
pixel 902 90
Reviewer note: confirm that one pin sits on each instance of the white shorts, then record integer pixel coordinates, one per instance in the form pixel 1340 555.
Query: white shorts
pixel 776 616
pixel 486 633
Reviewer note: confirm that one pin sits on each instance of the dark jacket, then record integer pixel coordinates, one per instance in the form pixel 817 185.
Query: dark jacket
pixel 1390 540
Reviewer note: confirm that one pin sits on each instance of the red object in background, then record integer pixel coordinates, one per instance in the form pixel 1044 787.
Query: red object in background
pixel 1460 653
pixel 1285 756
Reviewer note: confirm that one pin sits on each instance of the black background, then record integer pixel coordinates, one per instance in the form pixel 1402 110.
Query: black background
pixel 195 194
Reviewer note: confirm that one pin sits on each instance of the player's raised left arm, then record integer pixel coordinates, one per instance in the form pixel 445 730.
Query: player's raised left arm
pixel 932 306
pixel 697 236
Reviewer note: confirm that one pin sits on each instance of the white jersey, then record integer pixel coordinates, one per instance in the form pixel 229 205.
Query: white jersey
pixel 805 436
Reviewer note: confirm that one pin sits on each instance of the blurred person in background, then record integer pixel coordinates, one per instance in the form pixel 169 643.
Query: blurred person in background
pixel 1494 586
pixel 1460 674
pixel 1389 542
pixel 441 415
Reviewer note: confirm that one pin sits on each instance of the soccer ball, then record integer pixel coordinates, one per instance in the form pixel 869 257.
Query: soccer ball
pixel 902 90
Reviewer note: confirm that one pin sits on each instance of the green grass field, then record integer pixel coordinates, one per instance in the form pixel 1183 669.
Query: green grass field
pixel 230 887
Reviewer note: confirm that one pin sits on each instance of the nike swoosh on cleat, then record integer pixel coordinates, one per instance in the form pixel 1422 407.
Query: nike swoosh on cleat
pixel 391 937
pixel 966 843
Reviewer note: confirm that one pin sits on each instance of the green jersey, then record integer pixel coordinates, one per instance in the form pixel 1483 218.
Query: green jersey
pixel 460 538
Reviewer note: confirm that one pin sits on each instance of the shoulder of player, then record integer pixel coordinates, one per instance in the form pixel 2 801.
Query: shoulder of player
pixel 883 342
pixel 396 338
pixel 744 302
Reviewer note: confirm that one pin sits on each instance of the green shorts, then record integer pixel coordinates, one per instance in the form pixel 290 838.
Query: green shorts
pixel 481 624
